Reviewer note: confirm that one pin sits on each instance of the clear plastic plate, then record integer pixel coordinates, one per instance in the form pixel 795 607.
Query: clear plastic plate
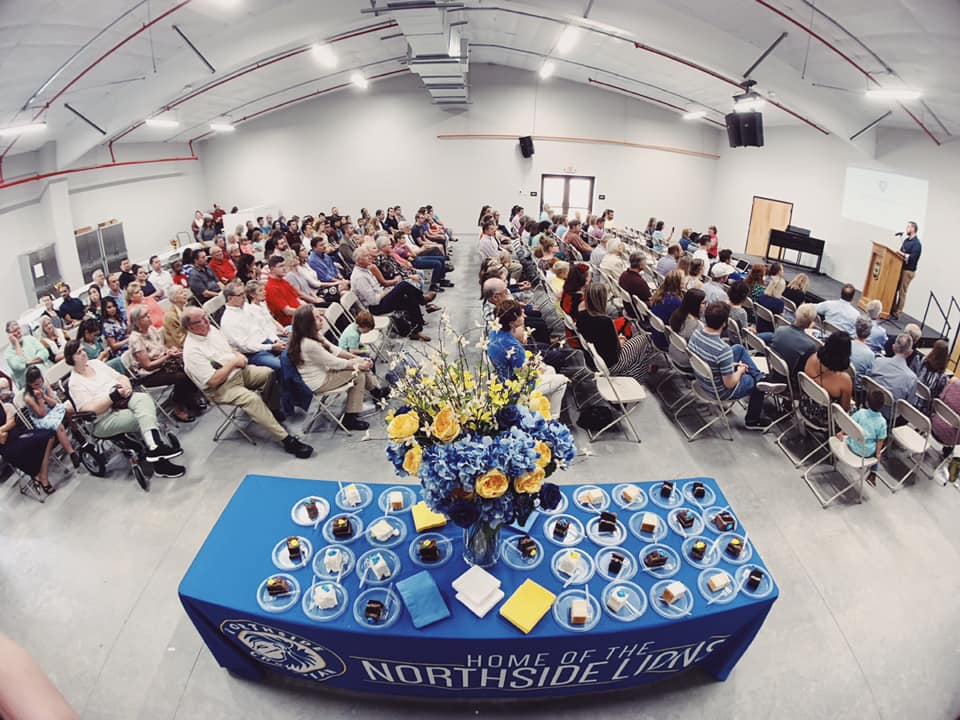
pixel 511 555
pixel 444 546
pixel 281 603
pixel 315 613
pixel 575 533
pixel 636 600
pixel 392 607
pixel 563 603
pixel 618 536
pixel 745 554
pixel 710 558
pixel 638 504
pixel 409 498
pixel 398 524
pixel 669 569
pixel 320 570
pixel 675 525
pixel 675 499
pixel 763 589
pixel 366 497
pixel 723 596
pixel 636 520
pixel 298 513
pixel 680 608
pixel 355 521
pixel 585 568
pixel 390 558
pixel 712 512
pixel 709 496
pixel 281 556
pixel 603 504
pixel 627 571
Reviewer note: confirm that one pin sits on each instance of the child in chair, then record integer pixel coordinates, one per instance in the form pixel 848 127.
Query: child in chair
pixel 874 426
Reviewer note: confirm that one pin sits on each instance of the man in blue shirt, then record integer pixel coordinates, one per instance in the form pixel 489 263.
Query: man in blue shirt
pixel 841 313
pixel 322 264
pixel 910 249
pixel 894 374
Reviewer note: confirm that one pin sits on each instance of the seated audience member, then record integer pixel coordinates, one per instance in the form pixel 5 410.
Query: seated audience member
pixel 52 338
pixel 714 246
pixel 668 263
pixel 734 373
pixel 97 388
pixel 493 292
pixel 95 308
pixel 703 249
pixel 878 336
pixel 113 327
pixel 160 278
pixel 127 275
pixel 685 238
pixel 113 283
pixel 771 298
pixel 546 252
pixel 714 288
pixel 249 327
pixel 300 281
pixel 402 297
pixel 149 291
pixel 632 279
pixel 156 365
pixel 135 296
pixel 695 279
pixel 915 358
pixel 686 318
pixel 203 283
pixel 573 238
pixel 571 296
pixel 660 237
pixel 221 265
pixel 737 296
pixel 841 313
pixel 615 262
pixel 393 266
pixel 722 268
pixel 95 346
pixel 247 269
pixel 945 434
pixel 829 367
pixel 663 302
pixel 27 450
pixel 874 426
pixel 507 351
pixel 24 351
pixel 422 258
pixel 71 310
pixel 649 230
pixel 100 281
pixel 683 268
pixel 755 282
pixel 180 272
pixel 47 412
pixel 282 298
pixel 489 244
pixel 933 369
pixel 351 338
pixel 173 333
pixel 792 342
pixel 322 366
pixel 223 373
pixel 796 289
pixel 861 355
pixel 600 251
pixel 623 355
pixel 46 300
pixel 557 276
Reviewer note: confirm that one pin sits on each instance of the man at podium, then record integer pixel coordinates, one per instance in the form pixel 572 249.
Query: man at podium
pixel 910 249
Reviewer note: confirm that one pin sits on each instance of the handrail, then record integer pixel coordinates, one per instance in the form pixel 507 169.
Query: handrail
pixel 948 326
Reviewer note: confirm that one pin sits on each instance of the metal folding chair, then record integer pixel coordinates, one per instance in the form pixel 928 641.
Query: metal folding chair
pixel 912 437
pixel 324 398
pixel 214 308
pixel 757 349
pixel 952 419
pixel 808 391
pixel 620 390
pixel 160 394
pixel 707 393
pixel 843 455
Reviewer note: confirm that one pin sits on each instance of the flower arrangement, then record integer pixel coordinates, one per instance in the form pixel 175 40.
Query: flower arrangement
pixel 481 446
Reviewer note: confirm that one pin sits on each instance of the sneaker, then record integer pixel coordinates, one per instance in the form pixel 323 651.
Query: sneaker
pixel 760 423
pixel 352 422
pixel 295 446
pixel 162 452
pixel 446 283
pixel 872 479
pixel 167 469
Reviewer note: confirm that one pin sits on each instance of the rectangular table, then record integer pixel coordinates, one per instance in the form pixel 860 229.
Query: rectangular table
pixel 461 656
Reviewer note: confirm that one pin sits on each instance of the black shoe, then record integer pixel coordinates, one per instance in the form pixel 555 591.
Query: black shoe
pixel 446 283
pixel 380 393
pixel 449 267
pixel 352 422
pixel 760 423
pixel 75 459
pixel 167 469
pixel 294 446
pixel 162 452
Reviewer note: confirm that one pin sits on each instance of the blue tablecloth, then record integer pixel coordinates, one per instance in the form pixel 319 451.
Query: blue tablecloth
pixel 462 656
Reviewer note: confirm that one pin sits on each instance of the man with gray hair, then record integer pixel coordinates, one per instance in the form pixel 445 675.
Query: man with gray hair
pixel 861 354
pixel 600 250
pixel 894 374
pixel 791 342
pixel 632 279
pixel 878 336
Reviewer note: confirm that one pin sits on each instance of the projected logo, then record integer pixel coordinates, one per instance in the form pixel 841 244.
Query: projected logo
pixel 882 184
pixel 284 651
pixel 877 265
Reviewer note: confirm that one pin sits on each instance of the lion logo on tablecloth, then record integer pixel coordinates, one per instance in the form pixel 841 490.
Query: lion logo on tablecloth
pixel 283 650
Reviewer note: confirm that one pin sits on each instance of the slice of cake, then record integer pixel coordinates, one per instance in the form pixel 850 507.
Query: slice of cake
pixel 630 494
pixel 699 490
pixel 616 563
pixel 351 495
pixel 313 512
pixel 395 500
pixel 698 550
pixel 428 550
pixel 655 559
pixel 608 522
pixel 569 563
pixel 378 566
pixel 382 530
pixel 754 578
pixel 373 612
pixel 617 599
pixel 342 527
pixel 278 586
pixel 666 489
pixel 334 560
pixel 591 497
pixel 724 521
pixel 527 546
pixel 325 597
pixel 579 611
pixel 718 581
pixel 649 523
pixel 673 592
pixel 735 547
pixel 294 550
pixel 685 518
pixel 560 528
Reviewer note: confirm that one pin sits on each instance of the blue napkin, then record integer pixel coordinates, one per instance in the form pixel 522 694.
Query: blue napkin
pixel 423 599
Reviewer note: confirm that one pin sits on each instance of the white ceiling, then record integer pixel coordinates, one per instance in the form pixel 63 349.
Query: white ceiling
pixel 117 80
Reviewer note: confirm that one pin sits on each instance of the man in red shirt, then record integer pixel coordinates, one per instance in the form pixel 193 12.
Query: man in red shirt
pixel 221 265
pixel 282 298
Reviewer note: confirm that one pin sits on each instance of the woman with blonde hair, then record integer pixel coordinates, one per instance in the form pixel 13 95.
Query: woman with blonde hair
pixel 52 339
pixel 796 289
pixel 622 355
pixel 135 296
pixel 173 332
pixel 615 261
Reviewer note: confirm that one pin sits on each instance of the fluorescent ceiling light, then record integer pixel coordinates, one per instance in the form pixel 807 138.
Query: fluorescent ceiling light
pixel 359 80
pixel 15 130
pixel 546 70
pixel 162 121
pixel 749 104
pixel 893 94
pixel 222 126
pixel 694 114
pixel 568 38
pixel 324 55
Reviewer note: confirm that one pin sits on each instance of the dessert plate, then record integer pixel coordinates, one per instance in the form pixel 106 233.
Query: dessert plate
pixel 710 558
pixel 616 537
pixel 313 612
pixel 391 607
pixel 669 569
pixel 745 554
pixel 636 601
pixel 681 608
pixel 628 569
pixel 444 547
pixel 320 568
pixel 409 498
pixel 280 603
pixel 364 570
pixel 575 533
pixel 674 522
pixel 563 603
pixel 366 497
pixel 722 596
pixel 709 496
pixel 511 555
pixel 281 556
pixel 638 504
pixel 674 500
pixel 636 520
pixel 711 512
pixel 398 525
pixel 298 513
pixel 602 504
pixel 585 568
pixel 355 521
pixel 763 589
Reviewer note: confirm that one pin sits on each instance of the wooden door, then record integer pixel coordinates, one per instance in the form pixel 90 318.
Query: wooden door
pixel 766 215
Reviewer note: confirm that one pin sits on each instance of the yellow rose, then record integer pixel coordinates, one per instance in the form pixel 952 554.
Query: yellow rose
pixel 491 484
pixel 403 426
pixel 446 426
pixel 539 403
pixel 411 460
pixel 545 454
pixel 530 482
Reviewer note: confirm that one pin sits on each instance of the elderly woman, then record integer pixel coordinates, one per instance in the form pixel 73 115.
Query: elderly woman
pixel 135 296
pixel 156 365
pixel 27 450
pixel 24 351
pixel 52 339
pixel 47 412
pixel 256 293
pixel 616 261
pixel 325 367
pixel 113 327
pixel 173 333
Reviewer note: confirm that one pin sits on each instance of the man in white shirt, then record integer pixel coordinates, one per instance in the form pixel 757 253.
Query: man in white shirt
pixel 250 332
pixel 600 251
pixel 225 375
pixel 100 280
pixel 702 251
pixel 841 313
pixel 489 245
pixel 162 279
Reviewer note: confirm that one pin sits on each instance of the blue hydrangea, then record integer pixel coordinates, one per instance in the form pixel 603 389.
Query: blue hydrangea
pixel 395 454
pixel 513 452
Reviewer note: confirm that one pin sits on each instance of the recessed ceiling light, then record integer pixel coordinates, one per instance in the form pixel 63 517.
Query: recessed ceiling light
pixel 694 114
pixel 568 38
pixel 222 126
pixel 14 130
pixel 359 80
pixel 324 55
pixel 546 70
pixel 893 94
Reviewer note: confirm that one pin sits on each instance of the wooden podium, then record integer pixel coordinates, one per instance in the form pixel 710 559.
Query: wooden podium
pixel 883 278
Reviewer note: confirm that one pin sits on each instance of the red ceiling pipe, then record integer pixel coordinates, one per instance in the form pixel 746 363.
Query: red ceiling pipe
pixel 729 81
pixel 44 176
pixel 846 57
pixel 648 97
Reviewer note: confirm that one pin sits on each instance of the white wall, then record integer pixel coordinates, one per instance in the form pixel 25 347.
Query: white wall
pixel 800 166
pixel 371 149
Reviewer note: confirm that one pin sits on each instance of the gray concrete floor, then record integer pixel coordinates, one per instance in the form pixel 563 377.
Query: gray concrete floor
pixel 867 624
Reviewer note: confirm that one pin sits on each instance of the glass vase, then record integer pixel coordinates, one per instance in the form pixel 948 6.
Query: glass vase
pixel 481 545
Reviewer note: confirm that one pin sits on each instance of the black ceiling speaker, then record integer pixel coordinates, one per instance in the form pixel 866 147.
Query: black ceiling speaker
pixel 745 129
pixel 526 146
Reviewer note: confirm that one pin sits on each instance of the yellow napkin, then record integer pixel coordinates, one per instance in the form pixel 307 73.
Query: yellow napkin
pixel 527 605
pixel 426 519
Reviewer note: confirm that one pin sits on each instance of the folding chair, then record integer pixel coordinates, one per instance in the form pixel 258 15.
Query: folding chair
pixel 924 399
pixel 324 398
pixel 658 326
pixel 814 395
pixel 780 321
pixel 828 328
pixel 913 437
pixel 789 306
pixel 780 391
pixel 214 308
pixel 620 390
pixel 349 302
pixel 734 335
pixel 707 393
pixel 757 349
pixel 679 357
pixel 24 481
pixel 870 384
pixel 843 455
pixel 952 419
pixel 160 394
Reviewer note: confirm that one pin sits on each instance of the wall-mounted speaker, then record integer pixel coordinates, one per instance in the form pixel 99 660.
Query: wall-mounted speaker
pixel 745 129
pixel 526 146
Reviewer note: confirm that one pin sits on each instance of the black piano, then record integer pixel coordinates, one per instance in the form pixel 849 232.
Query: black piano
pixel 783 240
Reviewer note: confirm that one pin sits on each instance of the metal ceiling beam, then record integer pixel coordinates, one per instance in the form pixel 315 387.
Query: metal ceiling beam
pixel 83 117
pixel 196 50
